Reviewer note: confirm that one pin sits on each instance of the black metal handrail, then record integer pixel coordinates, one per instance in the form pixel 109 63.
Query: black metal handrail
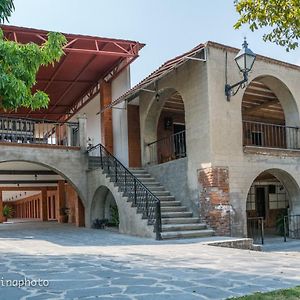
pixel 140 196
pixel 291 227
pixel 174 145
pixel 255 229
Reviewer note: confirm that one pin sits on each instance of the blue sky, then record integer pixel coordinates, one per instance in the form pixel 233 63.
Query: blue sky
pixel 168 27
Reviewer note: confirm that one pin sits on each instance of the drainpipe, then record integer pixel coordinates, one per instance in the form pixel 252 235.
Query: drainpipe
pixel 82 139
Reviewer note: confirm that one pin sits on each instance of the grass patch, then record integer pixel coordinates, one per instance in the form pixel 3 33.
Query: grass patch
pixel 287 294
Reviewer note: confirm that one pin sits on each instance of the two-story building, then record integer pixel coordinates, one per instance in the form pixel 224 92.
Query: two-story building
pixel 176 157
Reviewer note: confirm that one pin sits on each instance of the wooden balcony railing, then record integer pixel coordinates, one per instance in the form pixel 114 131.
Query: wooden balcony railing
pixel 34 131
pixel 271 135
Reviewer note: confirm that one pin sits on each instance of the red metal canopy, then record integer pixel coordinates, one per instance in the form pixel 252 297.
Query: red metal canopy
pixel 75 79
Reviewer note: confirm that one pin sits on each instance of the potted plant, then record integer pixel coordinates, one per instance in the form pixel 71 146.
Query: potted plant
pixel 7 212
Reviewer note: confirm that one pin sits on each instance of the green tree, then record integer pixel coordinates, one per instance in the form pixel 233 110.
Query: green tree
pixel 19 64
pixel 281 17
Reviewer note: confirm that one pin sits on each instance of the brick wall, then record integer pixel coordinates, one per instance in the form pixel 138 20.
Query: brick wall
pixel 134 138
pixel 214 198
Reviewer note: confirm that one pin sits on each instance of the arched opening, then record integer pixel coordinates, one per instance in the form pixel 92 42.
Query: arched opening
pixel 166 126
pixel 104 209
pixel 34 192
pixel 270 115
pixel 273 195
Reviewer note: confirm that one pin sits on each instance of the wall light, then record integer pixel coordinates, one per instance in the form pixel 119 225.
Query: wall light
pixel 245 60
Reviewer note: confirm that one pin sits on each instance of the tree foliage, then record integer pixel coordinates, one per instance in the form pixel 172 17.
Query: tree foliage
pixel 19 64
pixel 281 17
pixel 6 9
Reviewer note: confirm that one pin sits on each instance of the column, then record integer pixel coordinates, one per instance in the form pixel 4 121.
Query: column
pixel 61 202
pixel 82 139
pixel 44 209
pixel 106 116
pixel 79 212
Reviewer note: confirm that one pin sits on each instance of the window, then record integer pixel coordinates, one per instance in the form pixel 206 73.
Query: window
pixel 278 199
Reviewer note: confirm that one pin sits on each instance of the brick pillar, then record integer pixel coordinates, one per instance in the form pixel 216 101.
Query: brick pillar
pixel 61 201
pixel 79 213
pixel 1 207
pixel 106 116
pixel 44 208
pixel 214 198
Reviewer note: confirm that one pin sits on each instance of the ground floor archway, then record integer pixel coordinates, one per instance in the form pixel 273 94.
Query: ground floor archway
pixel 104 209
pixel 272 195
pixel 34 191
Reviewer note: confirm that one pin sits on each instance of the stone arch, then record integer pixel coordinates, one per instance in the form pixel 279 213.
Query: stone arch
pixel 101 204
pixel 286 201
pixel 157 105
pixel 77 203
pixel 282 93
pixel 270 114
pixel 52 168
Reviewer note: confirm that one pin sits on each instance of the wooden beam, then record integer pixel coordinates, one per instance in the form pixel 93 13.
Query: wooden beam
pixel 27 188
pixel 258 107
pixel 27 172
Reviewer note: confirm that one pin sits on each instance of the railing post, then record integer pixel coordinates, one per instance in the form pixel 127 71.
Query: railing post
pixel 135 191
pixel 284 228
pixel 125 182
pixel 147 206
pixel 101 158
pixel 157 220
pixel 116 171
pixel 82 132
pixel 262 231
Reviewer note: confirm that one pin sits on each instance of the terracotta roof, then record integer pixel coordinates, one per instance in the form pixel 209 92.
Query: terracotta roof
pixel 74 80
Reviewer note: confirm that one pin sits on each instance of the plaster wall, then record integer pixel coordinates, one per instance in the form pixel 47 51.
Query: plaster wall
pixel 93 120
pixel 190 80
pixel 119 117
pixel 226 130
pixel 130 221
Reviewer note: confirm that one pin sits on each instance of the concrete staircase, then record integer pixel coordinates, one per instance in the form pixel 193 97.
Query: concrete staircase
pixel 177 220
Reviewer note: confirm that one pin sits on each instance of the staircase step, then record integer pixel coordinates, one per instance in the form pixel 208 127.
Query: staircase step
pixel 152 183
pixel 183 227
pixel 146 179
pixel 173 209
pixel 184 214
pixel 180 220
pixel 186 234
pixel 161 193
pixel 169 203
pixel 166 198
pixel 157 188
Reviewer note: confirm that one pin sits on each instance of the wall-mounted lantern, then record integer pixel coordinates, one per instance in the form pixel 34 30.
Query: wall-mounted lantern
pixel 245 60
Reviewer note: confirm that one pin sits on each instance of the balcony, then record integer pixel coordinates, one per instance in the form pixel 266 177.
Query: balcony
pixel 38 132
pixel 271 136
pixel 168 148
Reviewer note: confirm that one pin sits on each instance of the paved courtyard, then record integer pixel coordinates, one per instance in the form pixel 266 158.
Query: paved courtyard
pixel 80 263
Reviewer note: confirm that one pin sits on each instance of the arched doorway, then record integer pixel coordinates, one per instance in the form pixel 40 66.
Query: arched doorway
pixel 104 209
pixel 165 128
pixel 273 195
pixel 270 115
pixel 36 192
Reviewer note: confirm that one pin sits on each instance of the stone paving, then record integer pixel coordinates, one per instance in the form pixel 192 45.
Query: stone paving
pixel 81 263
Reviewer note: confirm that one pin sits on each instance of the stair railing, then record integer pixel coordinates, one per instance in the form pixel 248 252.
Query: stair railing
pixel 141 197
